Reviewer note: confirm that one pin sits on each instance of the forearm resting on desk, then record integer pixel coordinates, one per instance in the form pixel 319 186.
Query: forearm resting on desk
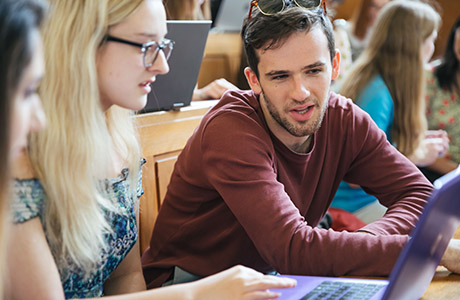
pixel 213 90
pixel 443 166
pixel 451 258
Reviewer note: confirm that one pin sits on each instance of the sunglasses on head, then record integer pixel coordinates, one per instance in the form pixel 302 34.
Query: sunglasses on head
pixel 270 7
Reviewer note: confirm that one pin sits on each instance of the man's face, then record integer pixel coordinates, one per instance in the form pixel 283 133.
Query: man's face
pixel 294 84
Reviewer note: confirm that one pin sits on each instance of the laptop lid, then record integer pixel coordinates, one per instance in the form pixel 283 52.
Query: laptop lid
pixel 231 15
pixel 417 263
pixel 175 89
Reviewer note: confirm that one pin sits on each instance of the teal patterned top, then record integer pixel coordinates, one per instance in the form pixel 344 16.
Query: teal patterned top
pixel 29 203
pixel 443 112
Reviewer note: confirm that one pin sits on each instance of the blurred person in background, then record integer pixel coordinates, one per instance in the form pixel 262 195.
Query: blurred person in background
pixel 387 82
pixel 443 102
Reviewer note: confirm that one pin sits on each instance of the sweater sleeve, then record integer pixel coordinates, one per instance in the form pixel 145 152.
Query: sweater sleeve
pixel 239 163
pixel 382 171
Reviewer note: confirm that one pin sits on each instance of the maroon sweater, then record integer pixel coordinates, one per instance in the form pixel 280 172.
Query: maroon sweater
pixel 239 196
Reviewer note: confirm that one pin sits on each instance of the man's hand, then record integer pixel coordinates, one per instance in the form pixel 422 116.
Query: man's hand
pixel 451 258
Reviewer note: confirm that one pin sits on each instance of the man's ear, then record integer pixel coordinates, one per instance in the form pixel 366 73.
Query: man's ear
pixel 252 79
pixel 336 65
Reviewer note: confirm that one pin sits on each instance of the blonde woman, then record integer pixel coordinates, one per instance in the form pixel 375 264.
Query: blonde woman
pixel 21 67
pixel 77 192
pixel 387 82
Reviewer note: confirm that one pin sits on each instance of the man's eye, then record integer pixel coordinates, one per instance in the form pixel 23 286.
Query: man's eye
pixel 314 71
pixel 279 77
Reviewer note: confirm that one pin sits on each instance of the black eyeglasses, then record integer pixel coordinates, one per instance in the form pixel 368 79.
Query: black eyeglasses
pixel 270 7
pixel 150 49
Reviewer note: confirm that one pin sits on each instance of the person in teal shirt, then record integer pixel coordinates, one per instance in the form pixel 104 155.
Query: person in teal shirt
pixel 387 82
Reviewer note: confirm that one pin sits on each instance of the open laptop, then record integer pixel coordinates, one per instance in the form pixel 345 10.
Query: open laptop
pixel 231 15
pixel 416 265
pixel 175 89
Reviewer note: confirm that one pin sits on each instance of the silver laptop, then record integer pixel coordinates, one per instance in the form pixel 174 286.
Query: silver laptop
pixel 416 265
pixel 175 89
pixel 231 15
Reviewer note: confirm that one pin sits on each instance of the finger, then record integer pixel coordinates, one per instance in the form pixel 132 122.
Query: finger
pixel 272 282
pixel 262 295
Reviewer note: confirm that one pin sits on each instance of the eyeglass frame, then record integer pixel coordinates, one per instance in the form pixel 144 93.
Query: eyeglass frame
pixel 165 43
pixel 254 3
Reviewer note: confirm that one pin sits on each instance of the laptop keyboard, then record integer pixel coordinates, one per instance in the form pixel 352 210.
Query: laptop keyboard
pixel 341 290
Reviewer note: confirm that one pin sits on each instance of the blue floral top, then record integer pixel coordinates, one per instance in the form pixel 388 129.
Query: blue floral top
pixel 29 203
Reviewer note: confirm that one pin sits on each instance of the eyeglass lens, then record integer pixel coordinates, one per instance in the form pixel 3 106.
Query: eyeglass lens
pixel 151 54
pixel 308 3
pixel 269 7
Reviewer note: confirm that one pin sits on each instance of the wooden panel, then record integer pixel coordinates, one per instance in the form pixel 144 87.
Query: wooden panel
pixel 148 208
pixel 162 136
pixel 164 167
pixel 222 56
pixel 214 67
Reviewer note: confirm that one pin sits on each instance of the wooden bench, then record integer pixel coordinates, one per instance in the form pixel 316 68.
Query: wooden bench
pixel 162 136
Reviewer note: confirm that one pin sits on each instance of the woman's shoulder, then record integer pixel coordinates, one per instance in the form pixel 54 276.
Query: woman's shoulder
pixel 376 88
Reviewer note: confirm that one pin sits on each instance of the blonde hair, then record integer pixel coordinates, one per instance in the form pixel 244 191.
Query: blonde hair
pixel 72 155
pixel 394 52
pixel 187 10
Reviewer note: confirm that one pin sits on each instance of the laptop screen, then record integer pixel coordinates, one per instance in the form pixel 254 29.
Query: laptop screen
pixel 175 89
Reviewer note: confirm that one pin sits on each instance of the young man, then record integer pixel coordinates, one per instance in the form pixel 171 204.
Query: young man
pixel 260 171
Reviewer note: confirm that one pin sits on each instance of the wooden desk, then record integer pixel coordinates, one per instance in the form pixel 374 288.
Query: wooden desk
pixel 445 285
pixel 162 136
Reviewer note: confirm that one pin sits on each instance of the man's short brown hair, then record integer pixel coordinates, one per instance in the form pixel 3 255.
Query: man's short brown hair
pixel 271 31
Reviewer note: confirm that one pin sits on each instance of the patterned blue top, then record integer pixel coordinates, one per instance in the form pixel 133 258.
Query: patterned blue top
pixel 376 100
pixel 29 203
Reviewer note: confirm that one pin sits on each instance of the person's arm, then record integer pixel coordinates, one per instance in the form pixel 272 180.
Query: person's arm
pixel 240 165
pixel 32 272
pixel 236 283
pixel 443 165
pixel 213 90
pixel 451 258
pixel 127 277
pixel 434 146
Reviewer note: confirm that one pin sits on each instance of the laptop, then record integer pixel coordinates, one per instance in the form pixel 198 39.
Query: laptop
pixel 175 89
pixel 231 15
pixel 415 266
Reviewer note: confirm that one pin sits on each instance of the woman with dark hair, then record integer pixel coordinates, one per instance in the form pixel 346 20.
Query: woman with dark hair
pixel 443 102
pixel 21 67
